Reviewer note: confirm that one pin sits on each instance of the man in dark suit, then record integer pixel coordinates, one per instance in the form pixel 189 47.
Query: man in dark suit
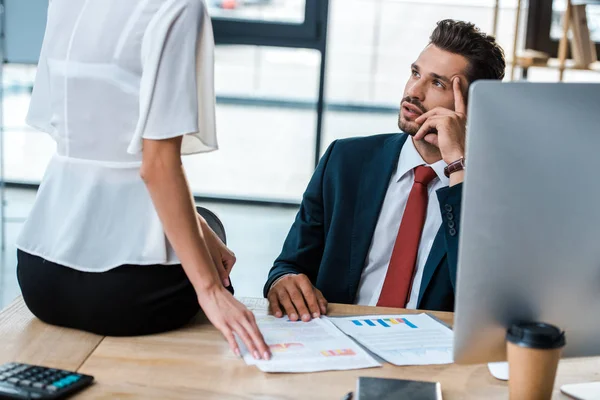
pixel 379 222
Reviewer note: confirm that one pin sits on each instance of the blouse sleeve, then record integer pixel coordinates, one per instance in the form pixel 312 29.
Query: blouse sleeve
pixel 177 87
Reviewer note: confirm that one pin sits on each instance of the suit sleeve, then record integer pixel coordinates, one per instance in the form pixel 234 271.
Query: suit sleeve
pixel 303 248
pixel 450 199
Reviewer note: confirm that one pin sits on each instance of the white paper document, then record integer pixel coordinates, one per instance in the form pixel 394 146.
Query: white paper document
pixel 311 346
pixel 401 339
pixel 257 305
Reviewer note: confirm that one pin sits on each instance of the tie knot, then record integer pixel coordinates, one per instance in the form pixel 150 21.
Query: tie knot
pixel 424 174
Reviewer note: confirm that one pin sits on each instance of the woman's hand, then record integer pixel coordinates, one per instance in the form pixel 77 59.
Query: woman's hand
pixel 227 258
pixel 223 258
pixel 230 316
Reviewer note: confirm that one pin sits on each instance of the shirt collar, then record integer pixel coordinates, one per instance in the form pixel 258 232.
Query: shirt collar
pixel 410 158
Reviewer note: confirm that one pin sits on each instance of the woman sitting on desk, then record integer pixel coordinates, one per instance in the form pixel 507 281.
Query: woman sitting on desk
pixel 125 88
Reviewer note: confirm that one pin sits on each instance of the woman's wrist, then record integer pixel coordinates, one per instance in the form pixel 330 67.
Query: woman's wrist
pixel 208 285
pixel 209 290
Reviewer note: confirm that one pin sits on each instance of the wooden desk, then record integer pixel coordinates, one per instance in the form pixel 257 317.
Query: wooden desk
pixel 195 363
pixel 24 338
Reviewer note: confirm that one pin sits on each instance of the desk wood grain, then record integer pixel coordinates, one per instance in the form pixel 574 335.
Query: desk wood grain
pixel 105 391
pixel 198 359
pixel 24 338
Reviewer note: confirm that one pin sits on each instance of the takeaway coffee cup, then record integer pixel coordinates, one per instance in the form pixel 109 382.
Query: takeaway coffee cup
pixel 533 351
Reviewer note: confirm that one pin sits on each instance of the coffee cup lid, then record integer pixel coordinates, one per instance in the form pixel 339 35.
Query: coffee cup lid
pixel 536 335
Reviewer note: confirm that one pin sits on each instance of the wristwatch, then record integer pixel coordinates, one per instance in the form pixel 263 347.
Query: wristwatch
pixel 455 166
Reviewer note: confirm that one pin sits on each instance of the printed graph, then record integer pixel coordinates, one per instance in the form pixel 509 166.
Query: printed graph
pixel 337 353
pixel 284 347
pixel 385 322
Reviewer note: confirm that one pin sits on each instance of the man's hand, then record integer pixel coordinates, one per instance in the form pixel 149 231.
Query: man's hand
pixel 450 126
pixel 296 295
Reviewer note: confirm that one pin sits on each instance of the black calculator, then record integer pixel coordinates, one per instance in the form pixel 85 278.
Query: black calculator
pixel 24 381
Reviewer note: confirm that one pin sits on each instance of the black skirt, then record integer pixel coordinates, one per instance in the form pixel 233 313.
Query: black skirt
pixel 129 300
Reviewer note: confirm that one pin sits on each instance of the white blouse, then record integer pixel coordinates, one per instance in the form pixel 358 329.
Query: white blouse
pixel 112 73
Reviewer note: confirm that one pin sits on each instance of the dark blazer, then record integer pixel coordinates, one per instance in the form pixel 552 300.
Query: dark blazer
pixel 331 236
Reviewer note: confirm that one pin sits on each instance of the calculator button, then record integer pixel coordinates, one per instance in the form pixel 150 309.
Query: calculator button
pixel 38 385
pixel 12 391
pixel 51 388
pixel 25 383
pixel 3 377
pixel 73 378
pixel 13 380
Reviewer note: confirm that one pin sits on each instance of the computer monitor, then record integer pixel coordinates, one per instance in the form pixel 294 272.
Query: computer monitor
pixel 530 224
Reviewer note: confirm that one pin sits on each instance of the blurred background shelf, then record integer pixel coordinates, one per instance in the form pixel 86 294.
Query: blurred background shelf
pixel 575 32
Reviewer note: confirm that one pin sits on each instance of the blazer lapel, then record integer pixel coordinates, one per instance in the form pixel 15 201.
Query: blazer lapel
pixel 436 254
pixel 374 181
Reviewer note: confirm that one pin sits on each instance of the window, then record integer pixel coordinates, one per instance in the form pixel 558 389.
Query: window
pixel 265 122
pixel 26 151
pixel 283 23
pixel 289 11
pixel 371 45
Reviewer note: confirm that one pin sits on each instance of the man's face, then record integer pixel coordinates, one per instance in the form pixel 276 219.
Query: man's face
pixel 430 85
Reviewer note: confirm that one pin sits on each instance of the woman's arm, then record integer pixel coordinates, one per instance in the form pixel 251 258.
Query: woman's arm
pixel 163 173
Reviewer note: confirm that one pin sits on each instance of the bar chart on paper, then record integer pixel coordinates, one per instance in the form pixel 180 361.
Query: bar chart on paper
pixel 312 346
pixel 401 339
pixel 385 322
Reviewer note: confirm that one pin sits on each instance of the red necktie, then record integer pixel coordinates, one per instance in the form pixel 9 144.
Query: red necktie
pixel 398 280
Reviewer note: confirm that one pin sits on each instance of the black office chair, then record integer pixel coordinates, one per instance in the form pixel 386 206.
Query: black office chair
pixel 217 226
pixel 214 222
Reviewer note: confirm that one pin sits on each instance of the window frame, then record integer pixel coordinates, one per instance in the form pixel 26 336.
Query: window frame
pixel 271 33
pixel 310 34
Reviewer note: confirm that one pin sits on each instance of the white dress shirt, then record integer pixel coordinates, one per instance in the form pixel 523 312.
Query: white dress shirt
pixel 386 231
pixel 112 73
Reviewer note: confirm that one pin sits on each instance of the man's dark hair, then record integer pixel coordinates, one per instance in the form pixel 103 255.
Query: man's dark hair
pixel 485 56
